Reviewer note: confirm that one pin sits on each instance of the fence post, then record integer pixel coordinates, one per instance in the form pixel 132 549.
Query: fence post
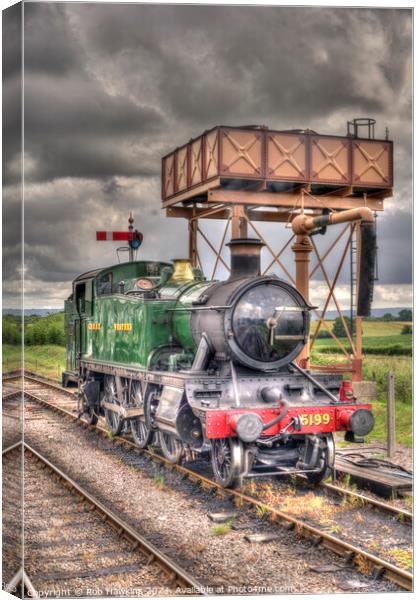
pixel 391 429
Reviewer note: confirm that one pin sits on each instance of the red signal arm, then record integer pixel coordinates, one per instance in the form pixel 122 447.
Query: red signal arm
pixel 114 236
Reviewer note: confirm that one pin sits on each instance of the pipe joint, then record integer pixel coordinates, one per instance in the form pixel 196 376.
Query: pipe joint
pixel 305 224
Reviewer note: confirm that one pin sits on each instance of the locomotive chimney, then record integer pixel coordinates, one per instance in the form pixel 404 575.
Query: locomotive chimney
pixel 245 257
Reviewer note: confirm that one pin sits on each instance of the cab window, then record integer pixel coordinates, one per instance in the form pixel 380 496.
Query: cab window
pixel 80 297
pixel 104 284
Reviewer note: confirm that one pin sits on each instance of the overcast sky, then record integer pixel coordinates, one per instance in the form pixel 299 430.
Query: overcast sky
pixel 110 89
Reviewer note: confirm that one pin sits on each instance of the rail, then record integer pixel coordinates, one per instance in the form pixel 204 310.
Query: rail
pixel 178 575
pixel 356 555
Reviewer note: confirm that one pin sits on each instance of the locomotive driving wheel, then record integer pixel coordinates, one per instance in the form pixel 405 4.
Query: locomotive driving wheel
pixel 227 459
pixel 171 447
pixel 325 462
pixel 114 420
pixel 141 431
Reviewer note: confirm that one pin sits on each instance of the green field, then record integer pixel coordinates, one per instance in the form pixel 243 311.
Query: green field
pixel 374 328
pixel 378 338
pixel 382 328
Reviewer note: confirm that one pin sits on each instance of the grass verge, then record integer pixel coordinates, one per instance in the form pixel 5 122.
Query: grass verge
pixel 49 360
pixel 375 368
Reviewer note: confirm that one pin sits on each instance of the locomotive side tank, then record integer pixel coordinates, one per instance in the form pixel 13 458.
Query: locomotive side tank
pixel 208 367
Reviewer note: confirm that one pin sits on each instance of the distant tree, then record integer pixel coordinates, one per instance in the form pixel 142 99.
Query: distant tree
pixel 38 330
pixel 387 317
pixel 405 315
pixel 55 335
pixel 29 338
pixel 323 334
pixel 39 334
pixel 11 332
pixel 338 328
pixel 406 330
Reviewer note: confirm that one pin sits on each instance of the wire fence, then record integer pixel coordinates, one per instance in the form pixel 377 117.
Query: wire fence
pixel 44 368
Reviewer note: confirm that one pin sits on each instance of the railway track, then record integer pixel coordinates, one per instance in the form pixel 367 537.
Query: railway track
pixel 359 557
pixel 12 522
pixel 38 385
pixel 12 414
pixel 74 542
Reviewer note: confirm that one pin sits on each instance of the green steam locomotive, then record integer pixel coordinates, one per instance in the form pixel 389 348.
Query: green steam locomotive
pixel 207 367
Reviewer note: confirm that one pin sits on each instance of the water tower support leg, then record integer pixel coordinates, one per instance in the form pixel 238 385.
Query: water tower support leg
pixel 193 235
pixel 302 249
pixel 238 222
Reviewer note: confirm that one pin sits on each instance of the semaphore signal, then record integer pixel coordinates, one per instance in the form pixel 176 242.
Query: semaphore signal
pixel 132 236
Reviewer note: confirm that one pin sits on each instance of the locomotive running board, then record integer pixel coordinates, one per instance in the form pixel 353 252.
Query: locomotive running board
pixel 158 377
pixel 126 412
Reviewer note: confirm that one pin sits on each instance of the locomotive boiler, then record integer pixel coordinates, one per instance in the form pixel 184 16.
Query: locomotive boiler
pixel 207 368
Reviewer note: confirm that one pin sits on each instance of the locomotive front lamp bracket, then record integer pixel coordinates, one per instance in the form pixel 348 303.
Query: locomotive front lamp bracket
pixel 273 321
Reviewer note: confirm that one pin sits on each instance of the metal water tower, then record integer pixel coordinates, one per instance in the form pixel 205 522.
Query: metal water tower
pixel 247 175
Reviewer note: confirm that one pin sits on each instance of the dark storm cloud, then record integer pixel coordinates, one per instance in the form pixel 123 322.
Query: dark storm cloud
pixel 11 145
pixel 61 220
pixel 112 76
pixel 394 239
pixel 81 107
pixel 110 88
pixel 12 128
pixel 220 60
pixel 11 41
pixel 51 45
pixel 12 86
pixel 142 76
pixel 74 128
